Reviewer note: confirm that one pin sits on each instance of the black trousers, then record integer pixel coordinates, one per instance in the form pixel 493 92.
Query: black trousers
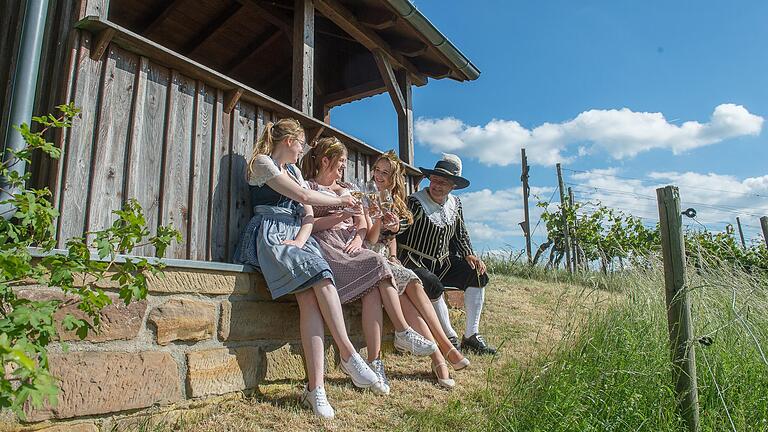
pixel 459 275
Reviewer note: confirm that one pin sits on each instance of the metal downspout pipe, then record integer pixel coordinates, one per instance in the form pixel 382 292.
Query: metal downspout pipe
pixel 23 86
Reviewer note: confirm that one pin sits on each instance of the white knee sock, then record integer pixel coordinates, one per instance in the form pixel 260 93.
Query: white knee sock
pixel 473 305
pixel 441 309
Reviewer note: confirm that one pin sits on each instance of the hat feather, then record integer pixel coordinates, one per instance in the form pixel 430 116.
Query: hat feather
pixel 453 159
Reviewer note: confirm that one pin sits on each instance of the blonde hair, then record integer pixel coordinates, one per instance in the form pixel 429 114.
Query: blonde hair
pixel 398 184
pixel 274 133
pixel 329 147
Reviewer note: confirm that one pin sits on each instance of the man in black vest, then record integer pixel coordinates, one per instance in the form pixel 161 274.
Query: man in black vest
pixel 438 249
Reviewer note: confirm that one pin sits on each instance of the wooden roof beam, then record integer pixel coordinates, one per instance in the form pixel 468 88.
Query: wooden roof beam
pixel 435 70
pixel 343 17
pixel 378 19
pixel 160 15
pixel 388 75
pixel 354 93
pixel 211 28
pixel 277 19
pixel 253 50
pixel 409 47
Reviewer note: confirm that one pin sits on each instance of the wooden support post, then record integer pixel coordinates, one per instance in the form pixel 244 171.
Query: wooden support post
pixel 563 208
pixel 98 8
pixel 231 98
pixel 526 193
pixel 764 226
pixel 741 233
pixel 574 238
pixel 678 306
pixel 303 55
pixel 388 76
pixel 102 42
pixel 405 121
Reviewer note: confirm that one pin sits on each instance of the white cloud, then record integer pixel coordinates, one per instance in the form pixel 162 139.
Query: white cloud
pixel 493 217
pixel 717 198
pixel 619 133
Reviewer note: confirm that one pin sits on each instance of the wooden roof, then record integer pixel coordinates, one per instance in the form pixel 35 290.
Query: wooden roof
pixel 250 40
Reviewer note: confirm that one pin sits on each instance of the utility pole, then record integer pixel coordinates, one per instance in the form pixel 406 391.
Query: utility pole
pixel 566 238
pixel 741 233
pixel 764 225
pixel 575 239
pixel 526 191
pixel 681 336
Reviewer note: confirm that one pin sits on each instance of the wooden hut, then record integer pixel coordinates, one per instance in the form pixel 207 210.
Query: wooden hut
pixel 174 94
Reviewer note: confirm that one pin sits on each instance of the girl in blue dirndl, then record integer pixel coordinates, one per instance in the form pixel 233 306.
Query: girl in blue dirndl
pixel 277 242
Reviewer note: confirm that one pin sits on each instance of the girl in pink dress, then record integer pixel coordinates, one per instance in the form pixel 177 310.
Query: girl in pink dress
pixel 359 273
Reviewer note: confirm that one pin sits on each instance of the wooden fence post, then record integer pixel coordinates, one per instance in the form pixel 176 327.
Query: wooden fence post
pixel 741 233
pixel 678 306
pixel 526 192
pixel 574 239
pixel 566 237
pixel 764 225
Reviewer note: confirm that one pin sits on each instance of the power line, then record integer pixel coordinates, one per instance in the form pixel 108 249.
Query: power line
pixel 551 197
pixel 619 192
pixel 655 181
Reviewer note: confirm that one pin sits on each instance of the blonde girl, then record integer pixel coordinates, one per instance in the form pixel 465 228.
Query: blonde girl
pixel 277 242
pixel 360 273
pixel 389 175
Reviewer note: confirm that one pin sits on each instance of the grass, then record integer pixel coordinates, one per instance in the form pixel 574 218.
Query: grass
pixel 585 352
pixel 612 373
pixel 518 317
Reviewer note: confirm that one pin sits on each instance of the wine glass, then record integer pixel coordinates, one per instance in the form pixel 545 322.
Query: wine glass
pixel 357 190
pixel 374 200
pixel 387 203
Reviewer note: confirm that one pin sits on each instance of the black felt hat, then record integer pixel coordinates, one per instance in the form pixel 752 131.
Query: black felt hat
pixel 449 167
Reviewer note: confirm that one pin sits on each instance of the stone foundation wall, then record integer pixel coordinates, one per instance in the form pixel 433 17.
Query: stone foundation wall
pixel 198 335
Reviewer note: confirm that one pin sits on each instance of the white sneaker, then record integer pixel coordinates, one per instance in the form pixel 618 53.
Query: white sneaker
pixel 382 386
pixel 362 375
pixel 317 400
pixel 414 343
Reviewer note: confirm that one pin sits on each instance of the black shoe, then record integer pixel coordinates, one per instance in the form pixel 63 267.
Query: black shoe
pixel 455 342
pixel 477 345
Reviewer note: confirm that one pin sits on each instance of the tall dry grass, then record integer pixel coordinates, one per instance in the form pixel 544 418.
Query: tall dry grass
pixel 611 371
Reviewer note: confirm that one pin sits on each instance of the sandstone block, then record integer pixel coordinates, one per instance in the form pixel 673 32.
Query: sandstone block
pixel 353 319
pixel 177 281
pixel 223 370
pixel 118 320
pixel 72 427
pixel 248 320
pixel 184 319
pixel 455 298
pixel 287 361
pixel 94 383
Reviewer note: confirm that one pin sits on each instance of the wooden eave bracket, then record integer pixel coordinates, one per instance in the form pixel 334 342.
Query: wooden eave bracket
pixel 344 18
pixel 388 75
pixel 231 97
pixel 377 19
pixel 317 134
pixel 103 38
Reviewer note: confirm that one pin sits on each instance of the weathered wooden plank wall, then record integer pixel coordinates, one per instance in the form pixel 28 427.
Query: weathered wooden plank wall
pixel 151 133
pixel 160 137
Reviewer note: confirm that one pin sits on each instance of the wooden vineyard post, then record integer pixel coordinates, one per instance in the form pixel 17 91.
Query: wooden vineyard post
pixel 526 192
pixel 678 306
pixel 764 226
pixel 741 233
pixel 575 239
pixel 566 238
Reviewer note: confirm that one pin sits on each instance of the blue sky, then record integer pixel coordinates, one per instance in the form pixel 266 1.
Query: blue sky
pixel 632 95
